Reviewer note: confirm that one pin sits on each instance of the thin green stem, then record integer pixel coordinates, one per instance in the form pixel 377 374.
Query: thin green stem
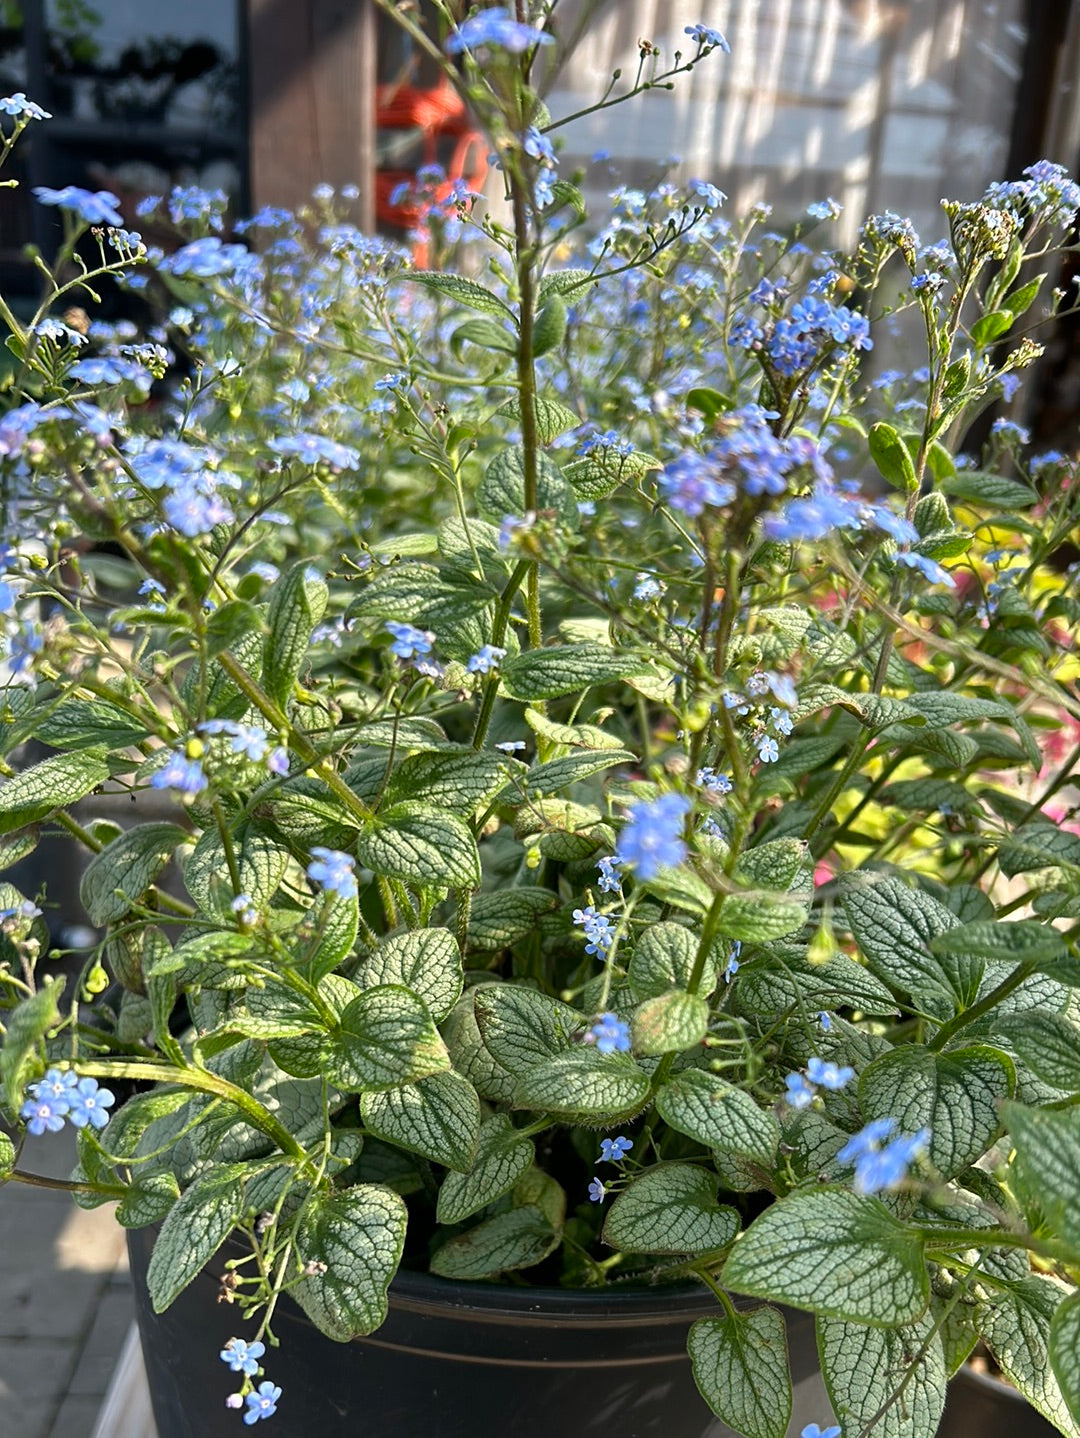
pixel 985 1004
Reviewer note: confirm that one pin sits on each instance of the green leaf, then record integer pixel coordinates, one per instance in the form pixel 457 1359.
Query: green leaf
pixel 195 1228
pixel 992 491
pixel 149 1199
pixel 335 921
pixel 1018 1331
pixel 989 327
pixel 1023 297
pixel 705 1108
pixel 521 1028
pixel 663 959
pixel 552 416
pixel 7 1156
pixel 516 1239
pixel 1036 846
pixel 297 603
pixel 434 849
pixel 778 980
pixel 1047 1163
pixel 833 1253
pixel 596 475
pixel 27 1025
pixel 39 791
pixel 561 282
pixel 957 1095
pixel 775 864
pixel 502 918
pixel 1064 1346
pixel 864 1367
pixel 502 1156
pixel 992 939
pixel 741 1369
pixel 556 776
pixel 458 782
pixel 895 926
pixel 427 961
pixel 757 918
pixel 260 859
pixel 122 872
pixel 502 489
pixel 438 1117
pixel 564 669
pixel 463 291
pixel 1048 1043
pixel 84 723
pixel 549 328
pixel 890 454
pixel 485 334
pixel 358 1234
pixel 585 1085
pixel 386 1038
pixel 670 1023
pixel 671 1208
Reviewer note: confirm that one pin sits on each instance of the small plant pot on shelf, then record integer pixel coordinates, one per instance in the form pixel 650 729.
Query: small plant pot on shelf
pixel 456 1360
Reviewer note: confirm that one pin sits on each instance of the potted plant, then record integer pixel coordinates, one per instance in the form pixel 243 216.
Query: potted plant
pixel 622 889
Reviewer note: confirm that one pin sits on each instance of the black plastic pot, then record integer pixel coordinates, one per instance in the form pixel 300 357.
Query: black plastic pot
pixel 457 1360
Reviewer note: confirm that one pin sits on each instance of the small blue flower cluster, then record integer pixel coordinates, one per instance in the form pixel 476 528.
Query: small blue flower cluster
pixel 707 38
pixel 1047 194
pixel 61 1095
pixel 486 659
pixel 609 881
pixel 651 838
pixel 802 1087
pixel 495 27
pixel 610 1034
pixel 93 207
pixel 610 442
pixel 249 740
pixel 22 109
pixel 599 934
pixel 244 1358
pixel 413 646
pixel 538 147
pixel 334 871
pixel 878 1168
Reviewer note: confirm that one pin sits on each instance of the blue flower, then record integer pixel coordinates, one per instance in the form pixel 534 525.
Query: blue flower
pixel 768 752
pixel 651 839
pixel 875 1171
pixel 828 1075
pixel 277 761
pixel 251 741
pixel 614 1150
pixel 495 27
pixel 824 209
pixel 799 1094
pixel 716 783
pixel 929 568
pixel 180 773
pixel 689 484
pixel 89 1104
pixel 56 1086
pixel 334 871
pixel 95 207
pixel 705 35
pixel 409 642
pixel 867 1140
pixel 610 1035
pixel 22 108
pixel 193 512
pixel 596 1191
pixel 647 588
pixel 242 1357
pixel 608 882
pixel 486 659
pixel 262 1403
pixel 597 930
pixel 397 380
pixel 825 1021
pixel 732 966
pixel 813 1431
pixel 313 448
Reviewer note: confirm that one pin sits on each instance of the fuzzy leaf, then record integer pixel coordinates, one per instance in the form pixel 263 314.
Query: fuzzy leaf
pixel 521 1028
pixel 759 918
pixel 1017 1328
pixel 462 291
pixel 741 1370
pixel 671 1208
pixel 297 603
pixel 895 926
pixel 195 1228
pixel 432 849
pixel 504 1243
pixel 836 1254
pixel 39 791
pixel 438 1117
pixel 501 918
pixel 386 1038
pixel 122 872
pixel 663 959
pixel 1048 1043
pixel 565 669
pixel 670 1023
pixel 424 960
pixel 720 1116
pixel 1047 1162
pixel 863 1367
pixel 502 1156
pixel 584 1085
pixel 27 1025
pixel 358 1234
pixel 502 489
pixel 1064 1346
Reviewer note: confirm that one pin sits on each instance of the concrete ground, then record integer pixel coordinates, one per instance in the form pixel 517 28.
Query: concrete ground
pixel 65 1301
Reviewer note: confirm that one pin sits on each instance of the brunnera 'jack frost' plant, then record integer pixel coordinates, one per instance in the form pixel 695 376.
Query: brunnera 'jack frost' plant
pixel 618 757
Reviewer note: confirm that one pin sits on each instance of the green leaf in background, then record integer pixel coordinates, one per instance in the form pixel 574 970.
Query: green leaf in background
pixel 741 1369
pixel 585 1085
pixel 334 921
pixel 502 1156
pixel 836 1254
pixel 892 457
pixel 260 859
pixel 502 489
pixel 663 959
pixel 1064 1347
pixel 502 918
pixel 1048 1043
pixel 549 329
pixel 355 1237
pixel 991 939
pixel 670 1023
pixel 991 490
pixel 895 926
pixel 704 1107
pixel 39 791
pixel 671 1208
pixel 552 416
pixel 386 1038
pixel 7 1156
pixel 957 1095
pixel 434 849
pixel 462 291
pixel 297 603
pixel 427 961
pixel 122 872
pixel 521 1028
pixel 864 1368
pixel 84 723
pixel 1017 1328
pixel 196 1226
pixel 565 669
pixel 519 1238
pixel 759 918
pixel 438 1117
pixel 774 865
pixel 1047 1163
pixel 27 1025
pixel 457 782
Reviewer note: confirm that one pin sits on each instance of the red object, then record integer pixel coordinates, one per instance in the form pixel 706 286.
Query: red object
pixel 437 113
